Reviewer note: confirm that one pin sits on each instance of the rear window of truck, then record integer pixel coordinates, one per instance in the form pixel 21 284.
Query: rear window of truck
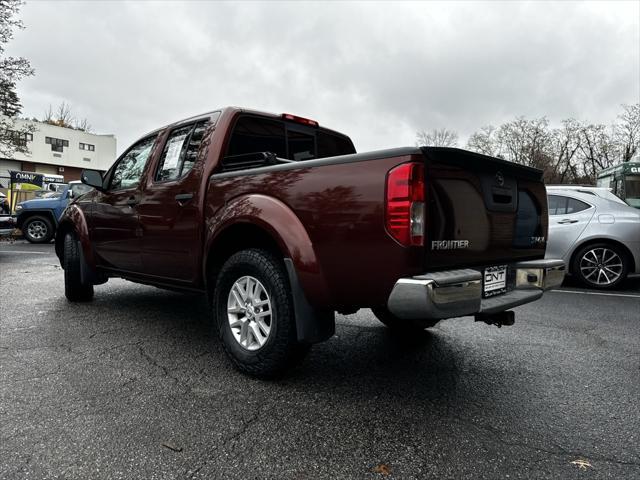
pixel 253 135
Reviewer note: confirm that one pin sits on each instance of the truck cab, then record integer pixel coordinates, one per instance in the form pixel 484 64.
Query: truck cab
pixel 38 218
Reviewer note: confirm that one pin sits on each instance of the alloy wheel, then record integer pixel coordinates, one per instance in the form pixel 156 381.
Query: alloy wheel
pixel 601 266
pixel 37 230
pixel 249 313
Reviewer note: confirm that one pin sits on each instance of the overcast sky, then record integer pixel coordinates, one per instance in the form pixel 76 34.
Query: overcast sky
pixel 377 71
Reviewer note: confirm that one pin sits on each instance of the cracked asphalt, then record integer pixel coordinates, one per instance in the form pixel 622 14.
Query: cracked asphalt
pixel 134 386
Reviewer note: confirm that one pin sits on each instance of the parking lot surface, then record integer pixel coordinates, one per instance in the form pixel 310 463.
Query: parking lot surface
pixel 133 385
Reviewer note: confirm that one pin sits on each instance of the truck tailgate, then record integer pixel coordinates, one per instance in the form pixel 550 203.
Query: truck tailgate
pixel 482 211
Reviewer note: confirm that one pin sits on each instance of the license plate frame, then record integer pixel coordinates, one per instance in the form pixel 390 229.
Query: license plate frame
pixel 494 280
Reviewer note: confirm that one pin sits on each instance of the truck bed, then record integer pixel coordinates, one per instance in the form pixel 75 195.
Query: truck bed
pixel 340 201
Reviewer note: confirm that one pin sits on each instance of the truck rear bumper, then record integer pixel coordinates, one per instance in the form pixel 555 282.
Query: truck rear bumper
pixel 456 293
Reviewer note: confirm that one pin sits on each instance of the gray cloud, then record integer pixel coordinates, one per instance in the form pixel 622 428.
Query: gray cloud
pixel 376 71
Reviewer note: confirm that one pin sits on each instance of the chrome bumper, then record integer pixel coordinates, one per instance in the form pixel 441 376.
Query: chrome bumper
pixel 456 293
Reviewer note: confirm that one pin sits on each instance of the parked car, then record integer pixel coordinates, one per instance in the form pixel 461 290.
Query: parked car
pixel 598 237
pixel 602 192
pixel 281 223
pixel 7 222
pixel 38 218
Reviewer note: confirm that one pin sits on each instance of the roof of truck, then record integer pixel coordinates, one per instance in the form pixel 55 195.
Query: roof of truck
pixel 233 109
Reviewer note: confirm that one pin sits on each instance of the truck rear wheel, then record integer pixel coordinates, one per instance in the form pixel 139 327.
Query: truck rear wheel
pixel 74 288
pixel 255 316
pixel 399 324
pixel 38 229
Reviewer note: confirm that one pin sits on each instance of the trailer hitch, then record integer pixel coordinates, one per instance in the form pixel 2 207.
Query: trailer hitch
pixel 498 319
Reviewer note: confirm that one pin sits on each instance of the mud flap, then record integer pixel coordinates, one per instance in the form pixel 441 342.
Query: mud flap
pixel 313 325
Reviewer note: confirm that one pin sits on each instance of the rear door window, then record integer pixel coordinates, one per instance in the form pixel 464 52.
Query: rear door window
pixel 180 151
pixel 575 206
pixel 556 203
pixel 193 147
pixel 560 205
pixel 176 144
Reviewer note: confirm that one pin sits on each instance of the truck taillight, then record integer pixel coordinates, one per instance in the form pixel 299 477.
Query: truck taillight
pixel 405 206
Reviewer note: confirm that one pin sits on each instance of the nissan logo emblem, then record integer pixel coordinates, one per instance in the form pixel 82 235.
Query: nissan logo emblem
pixel 499 178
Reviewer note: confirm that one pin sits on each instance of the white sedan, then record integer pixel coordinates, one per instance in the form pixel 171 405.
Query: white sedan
pixel 595 233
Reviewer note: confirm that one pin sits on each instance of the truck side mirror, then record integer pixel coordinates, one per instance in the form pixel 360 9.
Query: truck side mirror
pixel 93 178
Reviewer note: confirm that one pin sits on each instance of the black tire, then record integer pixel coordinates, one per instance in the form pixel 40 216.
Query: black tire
pixel 400 325
pixel 281 350
pixel 74 288
pixel 583 259
pixel 38 229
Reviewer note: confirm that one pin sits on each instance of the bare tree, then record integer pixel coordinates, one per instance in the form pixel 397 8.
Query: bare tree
pixel 598 149
pixel 83 125
pixel 574 152
pixel 48 116
pixel 627 131
pixel 484 141
pixel 525 141
pixel 441 137
pixel 62 116
pixel 564 149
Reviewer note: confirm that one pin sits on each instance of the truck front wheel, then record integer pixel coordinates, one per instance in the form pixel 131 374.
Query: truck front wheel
pixel 401 325
pixel 255 316
pixel 75 289
pixel 38 229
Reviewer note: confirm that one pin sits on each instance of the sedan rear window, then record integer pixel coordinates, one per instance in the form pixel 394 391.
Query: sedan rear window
pixel 559 205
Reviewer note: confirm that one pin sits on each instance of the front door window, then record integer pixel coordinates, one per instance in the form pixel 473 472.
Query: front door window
pixel 129 169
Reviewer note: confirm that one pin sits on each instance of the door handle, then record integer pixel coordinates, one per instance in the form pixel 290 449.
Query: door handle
pixel 132 201
pixel 183 198
pixel 567 220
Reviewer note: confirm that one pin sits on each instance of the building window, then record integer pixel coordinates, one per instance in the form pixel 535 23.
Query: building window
pixel 57 144
pixel 21 138
pixel 87 146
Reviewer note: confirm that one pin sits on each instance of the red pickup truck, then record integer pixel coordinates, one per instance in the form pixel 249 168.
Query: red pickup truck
pixel 282 224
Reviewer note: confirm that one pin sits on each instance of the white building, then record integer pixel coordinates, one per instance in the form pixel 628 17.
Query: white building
pixel 62 151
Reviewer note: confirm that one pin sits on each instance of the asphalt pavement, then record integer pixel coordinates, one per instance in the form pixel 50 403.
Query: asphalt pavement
pixel 133 385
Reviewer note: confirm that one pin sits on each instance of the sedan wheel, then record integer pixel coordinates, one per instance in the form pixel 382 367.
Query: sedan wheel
pixel 601 266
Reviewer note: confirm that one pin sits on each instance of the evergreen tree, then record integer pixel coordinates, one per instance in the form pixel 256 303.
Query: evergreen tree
pixel 12 69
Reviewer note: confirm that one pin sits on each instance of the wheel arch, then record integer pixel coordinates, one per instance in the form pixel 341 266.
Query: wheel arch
pixel 73 220
pixel 27 214
pixel 232 239
pixel 265 222
pixel 262 222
